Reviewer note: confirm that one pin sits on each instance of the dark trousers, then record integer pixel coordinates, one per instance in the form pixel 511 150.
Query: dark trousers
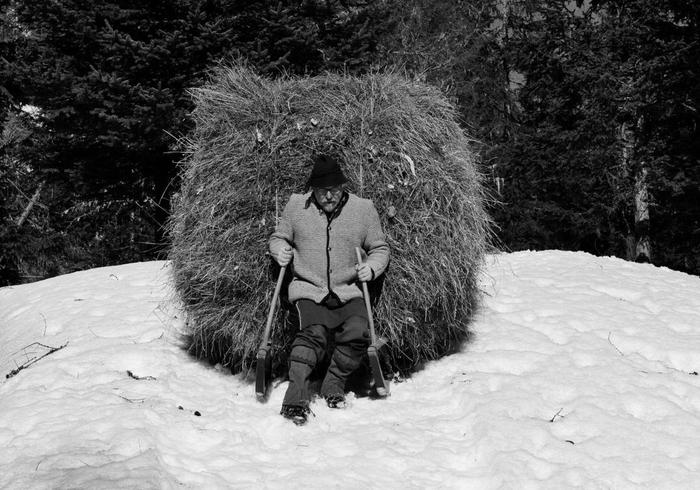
pixel 349 327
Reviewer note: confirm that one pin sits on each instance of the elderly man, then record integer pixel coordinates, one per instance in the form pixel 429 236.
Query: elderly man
pixel 319 231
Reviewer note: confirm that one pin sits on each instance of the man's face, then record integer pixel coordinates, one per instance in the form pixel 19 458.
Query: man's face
pixel 328 197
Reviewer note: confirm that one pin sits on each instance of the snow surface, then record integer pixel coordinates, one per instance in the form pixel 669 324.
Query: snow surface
pixel 582 374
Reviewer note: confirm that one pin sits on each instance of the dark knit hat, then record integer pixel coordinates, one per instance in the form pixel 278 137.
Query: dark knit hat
pixel 326 172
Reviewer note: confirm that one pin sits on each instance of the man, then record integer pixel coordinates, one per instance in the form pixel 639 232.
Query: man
pixel 319 231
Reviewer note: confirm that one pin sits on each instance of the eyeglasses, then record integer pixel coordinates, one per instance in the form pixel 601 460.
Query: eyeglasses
pixel 334 191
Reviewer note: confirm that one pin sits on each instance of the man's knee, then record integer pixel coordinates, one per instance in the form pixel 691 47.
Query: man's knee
pixel 351 343
pixel 304 355
pixel 354 332
pixel 309 345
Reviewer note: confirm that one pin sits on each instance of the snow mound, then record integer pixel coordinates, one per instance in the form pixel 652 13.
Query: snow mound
pixel 583 372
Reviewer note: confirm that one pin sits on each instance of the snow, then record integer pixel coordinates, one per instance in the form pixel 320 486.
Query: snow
pixel 582 373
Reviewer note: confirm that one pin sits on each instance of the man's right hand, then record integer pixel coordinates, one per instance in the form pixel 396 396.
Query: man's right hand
pixel 284 256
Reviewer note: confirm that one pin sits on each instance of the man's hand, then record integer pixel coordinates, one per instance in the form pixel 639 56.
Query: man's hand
pixel 364 272
pixel 284 256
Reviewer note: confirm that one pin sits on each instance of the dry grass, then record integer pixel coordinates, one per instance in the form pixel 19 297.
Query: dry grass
pixel 251 149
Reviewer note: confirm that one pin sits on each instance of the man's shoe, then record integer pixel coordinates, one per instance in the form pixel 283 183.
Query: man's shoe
pixel 297 414
pixel 336 401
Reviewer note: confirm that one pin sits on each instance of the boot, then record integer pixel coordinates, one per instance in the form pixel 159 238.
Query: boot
pixel 296 413
pixel 336 401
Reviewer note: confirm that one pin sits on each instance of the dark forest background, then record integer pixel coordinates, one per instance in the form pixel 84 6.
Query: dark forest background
pixel 586 113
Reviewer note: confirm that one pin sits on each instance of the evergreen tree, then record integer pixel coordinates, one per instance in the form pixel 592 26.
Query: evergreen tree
pixel 110 80
pixel 458 47
pixel 607 132
pixel 656 46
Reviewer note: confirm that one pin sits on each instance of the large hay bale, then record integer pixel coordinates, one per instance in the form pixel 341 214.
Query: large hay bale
pixel 252 148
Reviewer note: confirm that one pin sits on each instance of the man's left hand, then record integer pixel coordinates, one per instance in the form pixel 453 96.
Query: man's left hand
pixel 364 272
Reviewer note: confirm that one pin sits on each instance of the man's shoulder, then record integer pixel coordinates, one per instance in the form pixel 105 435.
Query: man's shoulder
pixel 360 202
pixel 299 200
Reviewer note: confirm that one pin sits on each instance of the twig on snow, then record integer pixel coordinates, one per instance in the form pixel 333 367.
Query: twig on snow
pixel 132 400
pixel 557 415
pixel 132 375
pixel 611 343
pixel 34 359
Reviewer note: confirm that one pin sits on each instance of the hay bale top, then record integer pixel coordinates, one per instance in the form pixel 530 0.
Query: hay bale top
pixel 401 147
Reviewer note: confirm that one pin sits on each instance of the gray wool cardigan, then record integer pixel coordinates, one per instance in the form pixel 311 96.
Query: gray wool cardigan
pixel 324 250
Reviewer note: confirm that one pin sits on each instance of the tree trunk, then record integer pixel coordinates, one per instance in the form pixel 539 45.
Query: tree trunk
pixel 641 216
pixel 638 244
pixel 31 204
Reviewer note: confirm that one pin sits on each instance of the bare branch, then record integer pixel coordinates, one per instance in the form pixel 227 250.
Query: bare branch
pixel 31 204
pixel 35 359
